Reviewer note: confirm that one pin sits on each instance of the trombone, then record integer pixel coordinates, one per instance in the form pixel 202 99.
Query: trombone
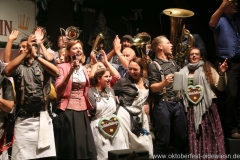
pixel 47 43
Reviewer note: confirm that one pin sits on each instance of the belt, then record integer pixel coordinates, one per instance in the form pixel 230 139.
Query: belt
pixel 28 115
pixel 25 114
pixel 174 99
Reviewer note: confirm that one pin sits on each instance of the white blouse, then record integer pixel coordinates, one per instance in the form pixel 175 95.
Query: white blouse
pixel 78 75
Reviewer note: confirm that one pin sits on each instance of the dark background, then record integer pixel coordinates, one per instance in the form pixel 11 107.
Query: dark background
pixel 120 18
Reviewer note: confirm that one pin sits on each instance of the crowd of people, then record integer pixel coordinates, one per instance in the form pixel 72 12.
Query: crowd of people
pixel 101 106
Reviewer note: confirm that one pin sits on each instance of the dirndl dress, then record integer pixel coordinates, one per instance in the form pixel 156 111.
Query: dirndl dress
pixel 74 140
pixel 105 109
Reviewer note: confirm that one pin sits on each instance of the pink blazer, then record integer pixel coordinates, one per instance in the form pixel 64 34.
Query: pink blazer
pixel 64 89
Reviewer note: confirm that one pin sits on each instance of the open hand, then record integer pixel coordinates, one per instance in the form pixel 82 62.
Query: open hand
pixel 31 40
pixel 14 34
pixel 223 67
pixel 117 44
pixel 39 35
pixel 104 57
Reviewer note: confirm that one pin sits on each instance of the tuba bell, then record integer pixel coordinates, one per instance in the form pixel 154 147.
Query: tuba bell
pixel 142 43
pixel 186 42
pixel 96 46
pixel 177 17
pixel 71 32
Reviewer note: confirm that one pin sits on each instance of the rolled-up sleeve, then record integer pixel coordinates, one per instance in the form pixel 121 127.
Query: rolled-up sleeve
pixel 153 74
pixel 217 28
pixel 8 90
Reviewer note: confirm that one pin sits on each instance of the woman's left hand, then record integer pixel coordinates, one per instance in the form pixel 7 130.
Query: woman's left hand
pixel 223 67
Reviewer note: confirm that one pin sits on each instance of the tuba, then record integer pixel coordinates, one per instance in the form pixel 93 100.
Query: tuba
pixel 96 46
pixel 142 43
pixel 183 47
pixel 177 17
pixel 71 32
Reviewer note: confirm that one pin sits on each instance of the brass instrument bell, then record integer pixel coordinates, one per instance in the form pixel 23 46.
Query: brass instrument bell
pixel 71 32
pixel 177 17
pixel 96 46
pixel 140 41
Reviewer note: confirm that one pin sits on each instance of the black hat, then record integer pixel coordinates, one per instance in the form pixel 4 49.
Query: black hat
pixel 127 37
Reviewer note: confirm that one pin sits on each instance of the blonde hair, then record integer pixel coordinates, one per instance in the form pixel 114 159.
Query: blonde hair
pixel 88 65
pixel 156 41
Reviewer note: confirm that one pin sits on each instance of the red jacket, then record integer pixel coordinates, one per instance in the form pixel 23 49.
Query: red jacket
pixel 64 89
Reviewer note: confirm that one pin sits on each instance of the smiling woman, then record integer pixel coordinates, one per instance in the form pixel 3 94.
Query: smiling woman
pixel 200 82
pixel 132 92
pixel 72 87
pixel 106 127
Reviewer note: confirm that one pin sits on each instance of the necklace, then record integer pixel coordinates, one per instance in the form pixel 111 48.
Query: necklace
pixel 103 93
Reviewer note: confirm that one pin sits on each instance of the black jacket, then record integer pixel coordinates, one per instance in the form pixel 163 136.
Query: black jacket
pixel 127 91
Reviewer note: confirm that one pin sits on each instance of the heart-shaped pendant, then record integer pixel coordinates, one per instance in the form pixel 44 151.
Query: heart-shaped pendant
pixel 109 126
pixel 195 93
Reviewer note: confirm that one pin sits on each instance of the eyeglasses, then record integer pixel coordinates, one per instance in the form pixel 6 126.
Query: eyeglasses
pixel 234 1
pixel 197 54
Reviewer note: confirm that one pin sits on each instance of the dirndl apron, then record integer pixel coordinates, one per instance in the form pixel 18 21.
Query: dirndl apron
pixel 105 109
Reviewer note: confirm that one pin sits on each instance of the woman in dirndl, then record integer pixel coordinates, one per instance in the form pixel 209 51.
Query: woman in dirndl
pixel 200 83
pixel 74 138
pixel 132 92
pixel 106 126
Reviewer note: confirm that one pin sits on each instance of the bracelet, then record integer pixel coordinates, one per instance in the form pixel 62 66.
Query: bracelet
pixel 36 57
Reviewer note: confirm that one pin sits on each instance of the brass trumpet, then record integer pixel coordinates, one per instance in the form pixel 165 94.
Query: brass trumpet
pixel 71 32
pixel 96 46
pixel 142 42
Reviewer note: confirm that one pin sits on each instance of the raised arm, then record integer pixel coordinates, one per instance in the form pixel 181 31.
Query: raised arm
pixel 110 54
pixel 47 55
pixel 13 65
pixel 7 52
pixel 48 66
pixel 117 49
pixel 108 65
pixel 93 58
pixel 218 13
pixel 94 68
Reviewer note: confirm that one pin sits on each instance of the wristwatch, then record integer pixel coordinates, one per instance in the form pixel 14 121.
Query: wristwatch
pixel 120 54
pixel 36 57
